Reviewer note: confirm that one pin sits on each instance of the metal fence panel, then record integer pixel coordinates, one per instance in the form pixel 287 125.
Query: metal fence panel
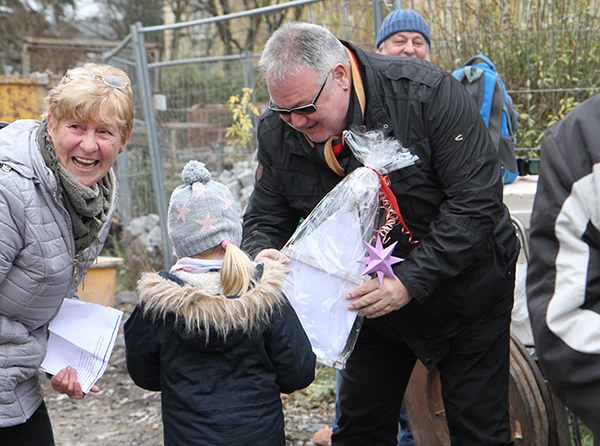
pixel 547 57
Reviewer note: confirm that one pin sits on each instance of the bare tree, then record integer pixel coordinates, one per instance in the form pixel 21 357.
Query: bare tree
pixel 37 18
pixel 236 43
pixel 115 17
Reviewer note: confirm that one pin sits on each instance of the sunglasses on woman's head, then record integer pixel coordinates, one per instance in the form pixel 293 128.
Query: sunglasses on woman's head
pixel 302 109
pixel 108 79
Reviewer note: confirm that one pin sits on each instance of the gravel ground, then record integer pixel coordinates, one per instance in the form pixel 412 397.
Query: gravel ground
pixel 124 414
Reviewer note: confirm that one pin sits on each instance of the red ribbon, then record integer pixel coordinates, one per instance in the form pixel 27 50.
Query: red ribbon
pixel 390 198
pixel 338 147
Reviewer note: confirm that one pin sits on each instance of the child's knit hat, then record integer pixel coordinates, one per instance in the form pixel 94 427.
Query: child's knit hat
pixel 202 213
pixel 401 20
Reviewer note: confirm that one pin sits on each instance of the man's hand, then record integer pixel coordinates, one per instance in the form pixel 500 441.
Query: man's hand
pixel 374 300
pixel 66 382
pixel 272 254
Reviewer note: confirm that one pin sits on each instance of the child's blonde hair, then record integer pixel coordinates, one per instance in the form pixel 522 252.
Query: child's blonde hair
pixel 237 271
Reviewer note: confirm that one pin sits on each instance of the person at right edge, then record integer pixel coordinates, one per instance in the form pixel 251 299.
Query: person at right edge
pixel 451 300
pixel 563 273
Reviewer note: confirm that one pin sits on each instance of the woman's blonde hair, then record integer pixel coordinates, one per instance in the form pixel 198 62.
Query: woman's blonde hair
pixel 91 99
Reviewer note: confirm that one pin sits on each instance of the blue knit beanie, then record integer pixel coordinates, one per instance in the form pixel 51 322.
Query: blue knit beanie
pixel 403 20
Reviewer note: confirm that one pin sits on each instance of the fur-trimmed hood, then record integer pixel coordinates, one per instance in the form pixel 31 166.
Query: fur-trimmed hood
pixel 205 318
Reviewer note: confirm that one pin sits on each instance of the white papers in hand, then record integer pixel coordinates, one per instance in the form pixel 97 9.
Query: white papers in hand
pixel 82 335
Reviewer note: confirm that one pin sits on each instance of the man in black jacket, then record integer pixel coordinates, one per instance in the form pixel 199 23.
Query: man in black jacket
pixel 450 303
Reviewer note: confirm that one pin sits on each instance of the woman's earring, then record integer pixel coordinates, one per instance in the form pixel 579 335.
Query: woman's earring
pixel 345 88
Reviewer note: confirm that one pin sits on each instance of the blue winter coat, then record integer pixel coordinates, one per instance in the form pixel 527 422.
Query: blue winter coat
pixel 220 362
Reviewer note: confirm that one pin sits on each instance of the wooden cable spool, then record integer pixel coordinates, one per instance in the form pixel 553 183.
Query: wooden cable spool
pixel 534 419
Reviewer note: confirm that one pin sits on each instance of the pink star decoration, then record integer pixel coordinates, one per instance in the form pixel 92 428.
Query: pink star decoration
pixel 227 202
pixel 380 260
pixel 207 222
pixel 199 189
pixel 182 211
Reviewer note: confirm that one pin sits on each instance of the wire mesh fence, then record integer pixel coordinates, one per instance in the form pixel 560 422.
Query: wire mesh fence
pixel 183 108
pixel 545 51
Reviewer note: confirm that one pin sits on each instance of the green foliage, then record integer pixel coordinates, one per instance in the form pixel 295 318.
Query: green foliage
pixel 241 132
pixel 545 51
pixel 565 106
pixel 587 438
pixel 324 385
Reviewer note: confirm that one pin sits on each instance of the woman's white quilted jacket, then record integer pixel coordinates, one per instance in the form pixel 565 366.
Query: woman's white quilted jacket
pixel 37 268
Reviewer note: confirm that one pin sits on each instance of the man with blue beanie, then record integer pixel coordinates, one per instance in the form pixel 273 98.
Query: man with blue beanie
pixel 404 32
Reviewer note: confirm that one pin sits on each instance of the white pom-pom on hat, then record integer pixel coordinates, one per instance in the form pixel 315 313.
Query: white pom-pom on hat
pixel 195 171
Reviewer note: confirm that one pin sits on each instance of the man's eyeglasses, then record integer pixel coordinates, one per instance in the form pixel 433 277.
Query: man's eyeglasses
pixel 108 79
pixel 303 109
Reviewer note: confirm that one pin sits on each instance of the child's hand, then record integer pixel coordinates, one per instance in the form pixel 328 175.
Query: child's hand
pixel 272 254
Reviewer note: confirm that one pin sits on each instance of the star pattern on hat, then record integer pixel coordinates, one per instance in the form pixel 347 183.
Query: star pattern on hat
pixel 227 202
pixel 380 260
pixel 207 222
pixel 199 189
pixel 182 211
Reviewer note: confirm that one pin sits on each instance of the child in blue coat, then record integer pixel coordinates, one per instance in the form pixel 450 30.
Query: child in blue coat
pixel 215 334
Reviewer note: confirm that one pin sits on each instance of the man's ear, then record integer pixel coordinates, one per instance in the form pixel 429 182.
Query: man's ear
pixel 342 75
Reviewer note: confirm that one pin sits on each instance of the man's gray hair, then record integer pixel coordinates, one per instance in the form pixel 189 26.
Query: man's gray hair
pixel 298 45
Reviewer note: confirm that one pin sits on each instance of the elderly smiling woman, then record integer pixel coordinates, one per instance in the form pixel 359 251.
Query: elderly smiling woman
pixel 57 195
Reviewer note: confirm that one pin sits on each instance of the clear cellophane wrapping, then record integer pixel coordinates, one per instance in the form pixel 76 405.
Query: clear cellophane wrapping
pixel 326 246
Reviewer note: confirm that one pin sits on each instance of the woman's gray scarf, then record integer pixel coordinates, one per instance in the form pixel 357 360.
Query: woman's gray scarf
pixel 88 206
